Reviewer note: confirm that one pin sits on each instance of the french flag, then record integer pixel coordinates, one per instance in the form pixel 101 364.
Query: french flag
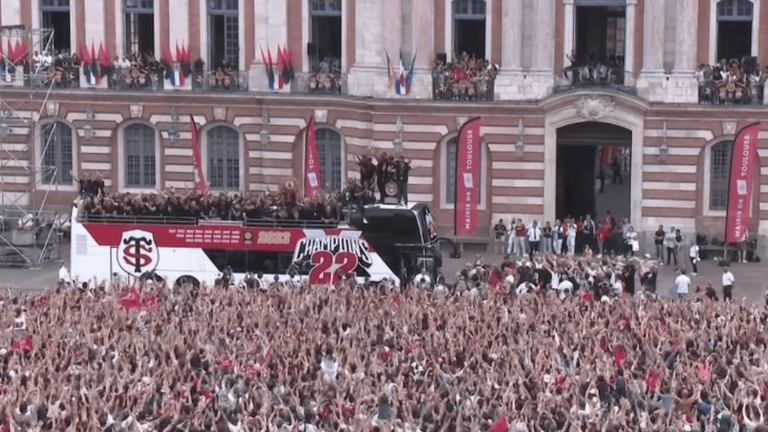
pixel 90 76
pixel 7 76
pixel 401 85
pixel 177 78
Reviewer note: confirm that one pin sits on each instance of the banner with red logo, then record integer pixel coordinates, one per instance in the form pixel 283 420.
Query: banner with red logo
pixel 741 184
pixel 467 177
pixel 311 166
pixel 199 177
pixel 609 153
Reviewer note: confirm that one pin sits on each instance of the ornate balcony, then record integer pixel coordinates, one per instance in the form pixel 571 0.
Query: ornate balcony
pixel 465 80
pixel 61 76
pixel 601 75
pixel 220 80
pixel 140 73
pixel 730 84
pixel 326 79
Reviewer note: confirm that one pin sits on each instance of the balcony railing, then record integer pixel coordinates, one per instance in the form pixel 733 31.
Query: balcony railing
pixel 466 80
pixel 730 84
pixel 61 77
pixel 326 78
pixel 137 77
pixel 220 80
pixel 596 75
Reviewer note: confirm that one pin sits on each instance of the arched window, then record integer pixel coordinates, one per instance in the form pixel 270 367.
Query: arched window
pixel 719 175
pixel 224 158
pixel 329 158
pixel 56 150
pixel 469 21
pixel 140 156
pixel 734 29
pixel 451 148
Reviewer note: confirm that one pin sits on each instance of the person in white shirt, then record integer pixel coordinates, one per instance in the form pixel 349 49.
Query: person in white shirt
pixel 728 281
pixel 571 237
pixel 682 284
pixel 64 277
pixel 630 237
pixel 557 238
pixel 693 254
pixel 534 238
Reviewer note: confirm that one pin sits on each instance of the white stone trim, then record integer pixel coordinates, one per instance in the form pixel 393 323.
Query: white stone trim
pixel 713 29
pixel 120 29
pixel 203 24
pixel 156 22
pixel 449 28
pixel 499 182
pixel 178 25
pixel 202 137
pixel 120 168
pixel 38 146
pixel 484 168
pixel 676 186
pixel 241 53
pixel 619 117
pixel 519 200
pixel 276 172
pixel 11 13
pixel 669 203
pixel 345 62
pixel 667 168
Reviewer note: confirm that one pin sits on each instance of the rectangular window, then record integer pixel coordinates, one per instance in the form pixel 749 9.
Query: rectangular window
pixel 720 173
pixel 469 28
pixel 139 26
pixel 55 19
pixel 224 34
pixel 600 34
pixel 56 148
pixel 325 31
pixel 140 160
pixel 450 166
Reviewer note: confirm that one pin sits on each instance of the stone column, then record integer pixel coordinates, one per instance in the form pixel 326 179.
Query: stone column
pixel 257 75
pixel 630 19
pixel 369 63
pixel 686 36
pixel 508 85
pixel 512 35
pixel 653 37
pixel 651 83
pixel 544 36
pixel 684 86
pixel 569 33
pixel 422 14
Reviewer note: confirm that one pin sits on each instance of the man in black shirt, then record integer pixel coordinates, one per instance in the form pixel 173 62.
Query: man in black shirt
pixel 648 279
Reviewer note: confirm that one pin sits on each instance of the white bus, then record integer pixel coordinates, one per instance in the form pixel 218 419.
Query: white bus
pixel 377 242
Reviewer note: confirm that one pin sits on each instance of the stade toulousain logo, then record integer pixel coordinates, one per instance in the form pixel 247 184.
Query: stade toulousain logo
pixel 137 252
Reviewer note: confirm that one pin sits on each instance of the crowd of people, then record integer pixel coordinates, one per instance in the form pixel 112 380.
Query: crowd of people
pixel 731 82
pixel 466 78
pixel 481 357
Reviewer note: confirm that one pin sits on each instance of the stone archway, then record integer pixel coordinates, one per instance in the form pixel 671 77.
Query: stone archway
pixel 593 108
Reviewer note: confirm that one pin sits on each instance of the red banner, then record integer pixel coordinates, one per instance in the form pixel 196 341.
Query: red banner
pixel 312 185
pixel 467 177
pixel 741 184
pixel 609 152
pixel 198 173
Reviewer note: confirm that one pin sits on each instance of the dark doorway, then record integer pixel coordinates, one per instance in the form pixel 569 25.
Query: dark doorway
pixel 734 39
pixel 469 19
pixel 325 30
pixel 139 33
pixel 600 33
pixel 223 27
pixel 583 149
pixel 58 22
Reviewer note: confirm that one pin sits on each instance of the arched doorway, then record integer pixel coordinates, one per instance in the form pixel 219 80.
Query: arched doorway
pixel 593 171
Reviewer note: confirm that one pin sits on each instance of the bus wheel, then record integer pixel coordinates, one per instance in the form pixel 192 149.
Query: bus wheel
pixel 187 281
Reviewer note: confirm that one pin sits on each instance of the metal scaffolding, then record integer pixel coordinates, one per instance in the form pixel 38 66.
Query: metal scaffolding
pixel 27 72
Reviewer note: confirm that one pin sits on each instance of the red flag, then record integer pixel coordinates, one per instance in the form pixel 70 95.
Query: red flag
pixel 741 184
pixel 467 177
pixel 19 52
pixel 185 52
pixel 312 184
pixel 167 55
pixel 279 68
pixel 84 54
pixel 130 299
pixel 103 56
pixel 199 177
pixel 93 53
pixel 178 53
pixel 499 425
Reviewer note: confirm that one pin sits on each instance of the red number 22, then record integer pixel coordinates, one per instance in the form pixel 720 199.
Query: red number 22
pixel 326 266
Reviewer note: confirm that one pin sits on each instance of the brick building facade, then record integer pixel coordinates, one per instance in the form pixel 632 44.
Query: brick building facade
pixel 642 77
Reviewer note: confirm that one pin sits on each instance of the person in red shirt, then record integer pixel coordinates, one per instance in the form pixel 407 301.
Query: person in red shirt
pixel 520 233
pixel 603 233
